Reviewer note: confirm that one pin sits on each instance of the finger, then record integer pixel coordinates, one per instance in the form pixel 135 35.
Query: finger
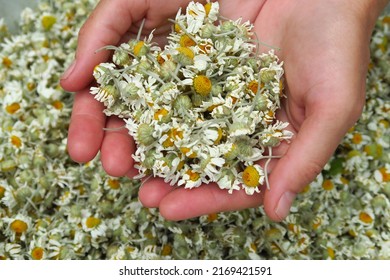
pixel 106 25
pixel 152 192
pixel 246 10
pixel 309 151
pixel 183 203
pixel 132 172
pixel 117 148
pixel 85 133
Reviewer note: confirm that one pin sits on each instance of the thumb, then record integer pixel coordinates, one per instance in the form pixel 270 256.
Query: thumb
pixel 310 150
pixel 105 26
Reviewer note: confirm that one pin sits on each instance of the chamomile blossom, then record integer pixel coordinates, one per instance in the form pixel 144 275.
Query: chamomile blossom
pixel 18 227
pixel 252 177
pixel 94 225
pixel 382 174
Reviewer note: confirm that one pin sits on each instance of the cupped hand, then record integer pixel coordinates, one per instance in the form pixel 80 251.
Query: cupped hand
pixel 324 46
pixel 111 23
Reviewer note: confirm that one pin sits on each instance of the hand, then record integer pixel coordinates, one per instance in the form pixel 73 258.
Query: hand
pixel 111 23
pixel 325 49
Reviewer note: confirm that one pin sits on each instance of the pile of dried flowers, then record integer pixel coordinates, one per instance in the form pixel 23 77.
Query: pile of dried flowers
pixel 53 208
pixel 203 109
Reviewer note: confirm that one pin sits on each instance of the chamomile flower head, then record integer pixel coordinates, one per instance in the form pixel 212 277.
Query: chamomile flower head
pixel 94 225
pixel 18 226
pixel 252 177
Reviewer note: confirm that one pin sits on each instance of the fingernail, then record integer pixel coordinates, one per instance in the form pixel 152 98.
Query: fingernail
pixel 69 71
pixel 284 205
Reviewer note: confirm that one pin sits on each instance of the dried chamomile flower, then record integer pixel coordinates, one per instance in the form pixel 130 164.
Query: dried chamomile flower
pixel 203 108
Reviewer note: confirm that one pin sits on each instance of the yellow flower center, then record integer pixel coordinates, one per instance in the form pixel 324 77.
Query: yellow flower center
pixel 306 189
pixel 166 250
pixel 207 8
pixel 16 141
pixel 46 44
pixel 385 123
pixel 365 218
pixel 344 180
pixel 130 249
pixel 352 233
pixel 177 28
pixel 45 58
pixel 186 41
pixel 57 104
pixel 234 99
pixel 194 176
pixel 31 86
pixel 168 143
pixel 18 226
pixel 202 85
pixel 2 192
pixel 12 108
pixel 331 253
pixel 383 45
pixel 328 185
pixel 253 247
pixel 92 222
pixel 251 176
pixel 180 165
pixel 212 107
pixel 293 228
pixel 317 223
pixel 186 150
pixel 269 117
pixel 385 175
pixel 7 62
pixel 253 87
pixel 113 184
pixel 187 52
pixel 173 134
pixel 159 114
pixel 37 253
pixel 212 217
pixel 65 28
pixel 357 138
pixel 301 241
pixel 138 47
pixel 48 21
pixel 370 233
pixel 80 189
pixel 161 59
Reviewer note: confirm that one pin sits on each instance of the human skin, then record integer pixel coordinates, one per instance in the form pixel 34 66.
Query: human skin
pixel 325 49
